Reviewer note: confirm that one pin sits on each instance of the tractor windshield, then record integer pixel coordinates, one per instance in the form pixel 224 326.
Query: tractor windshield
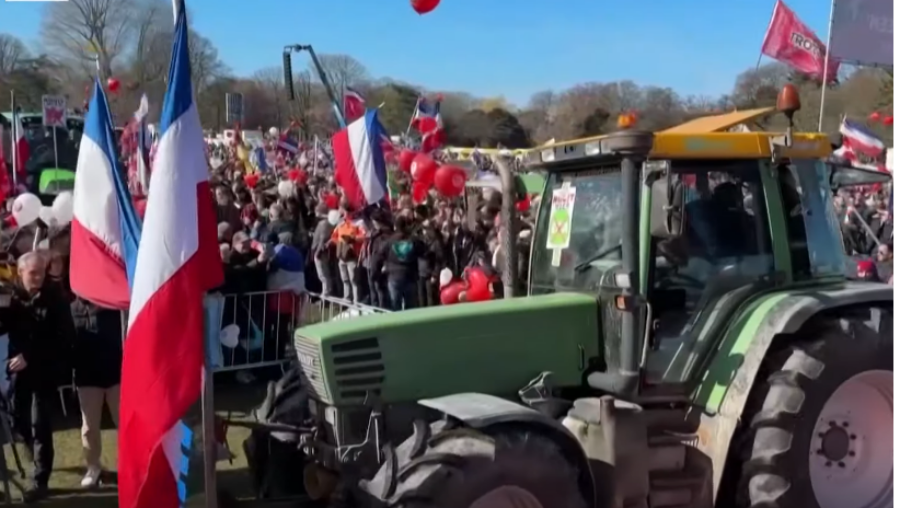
pixel 579 222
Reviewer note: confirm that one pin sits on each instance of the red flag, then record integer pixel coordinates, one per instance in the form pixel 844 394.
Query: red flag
pixel 354 104
pixel 790 41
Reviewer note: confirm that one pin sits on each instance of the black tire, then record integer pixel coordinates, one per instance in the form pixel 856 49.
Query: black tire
pixel 451 468
pixel 791 390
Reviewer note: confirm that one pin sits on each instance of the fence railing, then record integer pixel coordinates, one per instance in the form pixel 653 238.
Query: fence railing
pixel 256 329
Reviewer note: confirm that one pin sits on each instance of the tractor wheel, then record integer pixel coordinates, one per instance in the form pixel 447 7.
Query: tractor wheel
pixel 465 468
pixel 823 436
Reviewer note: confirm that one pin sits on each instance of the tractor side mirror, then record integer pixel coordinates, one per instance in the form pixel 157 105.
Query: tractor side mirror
pixel 667 205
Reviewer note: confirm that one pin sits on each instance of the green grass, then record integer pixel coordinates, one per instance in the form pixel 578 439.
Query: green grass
pixel 69 465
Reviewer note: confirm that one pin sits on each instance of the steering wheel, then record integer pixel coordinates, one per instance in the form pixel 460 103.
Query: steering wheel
pixel 685 280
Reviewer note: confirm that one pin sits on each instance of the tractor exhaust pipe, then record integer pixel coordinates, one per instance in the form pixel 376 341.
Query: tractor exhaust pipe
pixel 508 234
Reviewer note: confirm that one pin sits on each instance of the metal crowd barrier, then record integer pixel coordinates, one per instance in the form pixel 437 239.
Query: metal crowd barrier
pixel 265 321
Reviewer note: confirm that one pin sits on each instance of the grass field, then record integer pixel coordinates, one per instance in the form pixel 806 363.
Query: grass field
pixel 66 491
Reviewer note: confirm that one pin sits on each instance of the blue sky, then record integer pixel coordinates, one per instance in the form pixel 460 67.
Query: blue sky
pixel 511 48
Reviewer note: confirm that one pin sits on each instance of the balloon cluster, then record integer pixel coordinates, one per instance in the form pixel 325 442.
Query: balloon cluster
pixel 887 120
pixel 448 180
pixel 475 286
pixel 27 209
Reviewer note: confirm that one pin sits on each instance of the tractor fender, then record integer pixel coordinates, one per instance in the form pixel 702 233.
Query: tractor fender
pixel 486 412
pixel 720 398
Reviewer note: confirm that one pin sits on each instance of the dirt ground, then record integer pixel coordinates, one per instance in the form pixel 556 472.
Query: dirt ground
pixel 231 399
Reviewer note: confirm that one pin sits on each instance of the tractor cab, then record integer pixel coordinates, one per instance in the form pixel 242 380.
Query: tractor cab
pixel 676 231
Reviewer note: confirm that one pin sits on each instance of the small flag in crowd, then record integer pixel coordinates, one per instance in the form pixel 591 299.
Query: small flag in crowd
pixel 427 120
pixel 359 167
pixel 860 139
pixel 288 144
pixel 791 42
pixel 143 145
pixel 354 104
pixel 21 146
pixel 105 228
pixel 177 262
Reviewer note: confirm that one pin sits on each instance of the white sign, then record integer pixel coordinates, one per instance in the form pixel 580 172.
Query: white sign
pixel 54 111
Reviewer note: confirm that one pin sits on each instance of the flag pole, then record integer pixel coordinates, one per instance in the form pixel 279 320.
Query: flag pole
pixel 825 67
pixel 13 138
pixel 766 35
pixel 412 117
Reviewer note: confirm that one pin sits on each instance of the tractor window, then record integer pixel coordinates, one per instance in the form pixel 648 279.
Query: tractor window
pixel 822 250
pixel 726 248
pixel 570 233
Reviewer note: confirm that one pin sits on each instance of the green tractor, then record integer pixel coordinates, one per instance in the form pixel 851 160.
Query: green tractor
pixel 689 340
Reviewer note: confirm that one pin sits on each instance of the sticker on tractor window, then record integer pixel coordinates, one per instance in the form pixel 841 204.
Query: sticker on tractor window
pixel 560 232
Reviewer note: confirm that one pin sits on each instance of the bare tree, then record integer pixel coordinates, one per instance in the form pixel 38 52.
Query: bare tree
pixel 343 71
pixel 83 30
pixel 153 39
pixel 12 52
pixel 205 63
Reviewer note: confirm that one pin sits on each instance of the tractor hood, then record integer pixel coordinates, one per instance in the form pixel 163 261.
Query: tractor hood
pixel 494 347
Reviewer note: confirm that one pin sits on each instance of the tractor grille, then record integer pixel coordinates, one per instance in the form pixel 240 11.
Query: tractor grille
pixel 311 363
pixel 358 369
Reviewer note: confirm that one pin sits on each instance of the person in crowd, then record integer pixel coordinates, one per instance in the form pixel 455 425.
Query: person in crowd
pixel 373 257
pixel 401 266
pixel 226 209
pixel 347 239
pixel 322 249
pixel 98 364
pixel 431 262
pixel 866 270
pixel 279 224
pixel 40 349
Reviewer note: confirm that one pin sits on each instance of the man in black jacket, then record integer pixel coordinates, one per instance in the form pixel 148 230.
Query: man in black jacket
pixel 39 350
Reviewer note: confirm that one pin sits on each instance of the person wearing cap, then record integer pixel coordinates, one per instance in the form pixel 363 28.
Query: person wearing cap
pixel 866 270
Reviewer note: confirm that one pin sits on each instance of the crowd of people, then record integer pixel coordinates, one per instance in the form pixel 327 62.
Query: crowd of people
pixel 294 217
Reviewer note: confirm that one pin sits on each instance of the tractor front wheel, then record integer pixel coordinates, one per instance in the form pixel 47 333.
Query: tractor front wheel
pixel 822 436
pixel 465 468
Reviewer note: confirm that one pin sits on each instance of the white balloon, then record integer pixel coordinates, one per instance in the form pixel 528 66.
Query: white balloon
pixel 228 336
pixel 287 189
pixel 446 277
pixel 26 209
pixel 64 208
pixel 273 131
pixel 46 215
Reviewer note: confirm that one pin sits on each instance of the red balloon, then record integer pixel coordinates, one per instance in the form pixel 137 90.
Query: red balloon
pixel 422 169
pixel 432 141
pixel 478 285
pixel 298 176
pixel 113 84
pixel 426 124
pixel 523 205
pixel 420 192
pixel 424 6
pixel 451 293
pixel 331 201
pixel 875 116
pixel 404 162
pixel 251 180
pixel 888 120
pixel 450 181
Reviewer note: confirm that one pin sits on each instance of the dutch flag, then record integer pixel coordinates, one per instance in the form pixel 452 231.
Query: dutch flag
pixel 177 263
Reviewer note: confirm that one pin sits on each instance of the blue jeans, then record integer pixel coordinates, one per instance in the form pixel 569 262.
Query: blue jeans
pixel 403 294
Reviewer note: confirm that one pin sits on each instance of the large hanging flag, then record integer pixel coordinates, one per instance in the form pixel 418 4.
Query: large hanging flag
pixel 177 262
pixel 359 167
pixel 105 227
pixel 791 42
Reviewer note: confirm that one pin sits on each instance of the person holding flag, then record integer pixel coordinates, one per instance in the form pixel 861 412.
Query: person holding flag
pixel 177 263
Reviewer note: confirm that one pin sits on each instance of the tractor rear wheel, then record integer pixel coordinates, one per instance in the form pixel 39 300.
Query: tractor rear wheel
pixel 822 435
pixel 465 468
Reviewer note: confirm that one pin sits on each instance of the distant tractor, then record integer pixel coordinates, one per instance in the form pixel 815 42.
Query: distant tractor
pixel 689 340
